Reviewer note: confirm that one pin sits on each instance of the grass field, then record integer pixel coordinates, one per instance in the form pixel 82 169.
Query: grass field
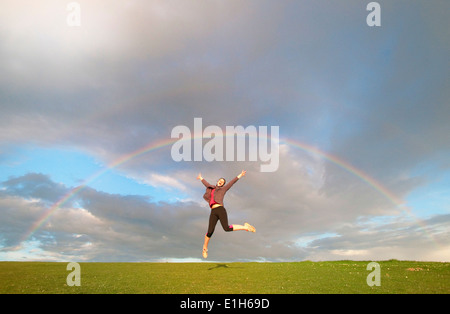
pixel 231 278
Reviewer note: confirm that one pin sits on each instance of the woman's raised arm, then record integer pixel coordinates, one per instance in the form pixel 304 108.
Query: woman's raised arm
pixel 242 174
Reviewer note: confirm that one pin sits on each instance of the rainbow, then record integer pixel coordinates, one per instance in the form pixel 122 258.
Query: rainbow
pixel 349 168
pixel 399 203
pixel 159 144
pixel 121 160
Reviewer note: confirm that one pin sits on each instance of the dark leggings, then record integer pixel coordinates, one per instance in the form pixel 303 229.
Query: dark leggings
pixel 218 213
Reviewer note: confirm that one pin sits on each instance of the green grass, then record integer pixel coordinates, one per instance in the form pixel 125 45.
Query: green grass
pixel 229 278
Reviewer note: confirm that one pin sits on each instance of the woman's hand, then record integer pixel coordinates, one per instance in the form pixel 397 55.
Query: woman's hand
pixel 199 177
pixel 241 174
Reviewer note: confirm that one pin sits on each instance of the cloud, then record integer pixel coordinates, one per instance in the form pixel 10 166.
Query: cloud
pixel 35 186
pixel 373 97
pixel 99 226
pixel 400 237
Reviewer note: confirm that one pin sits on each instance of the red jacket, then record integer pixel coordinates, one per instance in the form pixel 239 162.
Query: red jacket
pixel 219 192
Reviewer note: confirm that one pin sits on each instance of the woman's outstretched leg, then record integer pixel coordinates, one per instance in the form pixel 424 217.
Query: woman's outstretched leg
pixel 220 214
pixel 223 217
pixel 246 227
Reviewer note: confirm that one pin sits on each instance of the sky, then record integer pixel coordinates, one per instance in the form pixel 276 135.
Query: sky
pixel 87 111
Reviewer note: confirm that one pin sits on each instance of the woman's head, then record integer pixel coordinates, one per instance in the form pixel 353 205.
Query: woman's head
pixel 221 182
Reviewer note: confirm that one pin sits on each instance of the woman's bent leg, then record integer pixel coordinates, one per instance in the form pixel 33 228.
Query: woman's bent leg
pixel 246 227
pixel 223 217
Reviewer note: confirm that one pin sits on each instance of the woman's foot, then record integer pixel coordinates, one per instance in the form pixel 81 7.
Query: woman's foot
pixel 250 227
pixel 205 252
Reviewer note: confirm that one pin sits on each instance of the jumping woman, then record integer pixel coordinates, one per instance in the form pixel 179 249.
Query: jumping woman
pixel 214 196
